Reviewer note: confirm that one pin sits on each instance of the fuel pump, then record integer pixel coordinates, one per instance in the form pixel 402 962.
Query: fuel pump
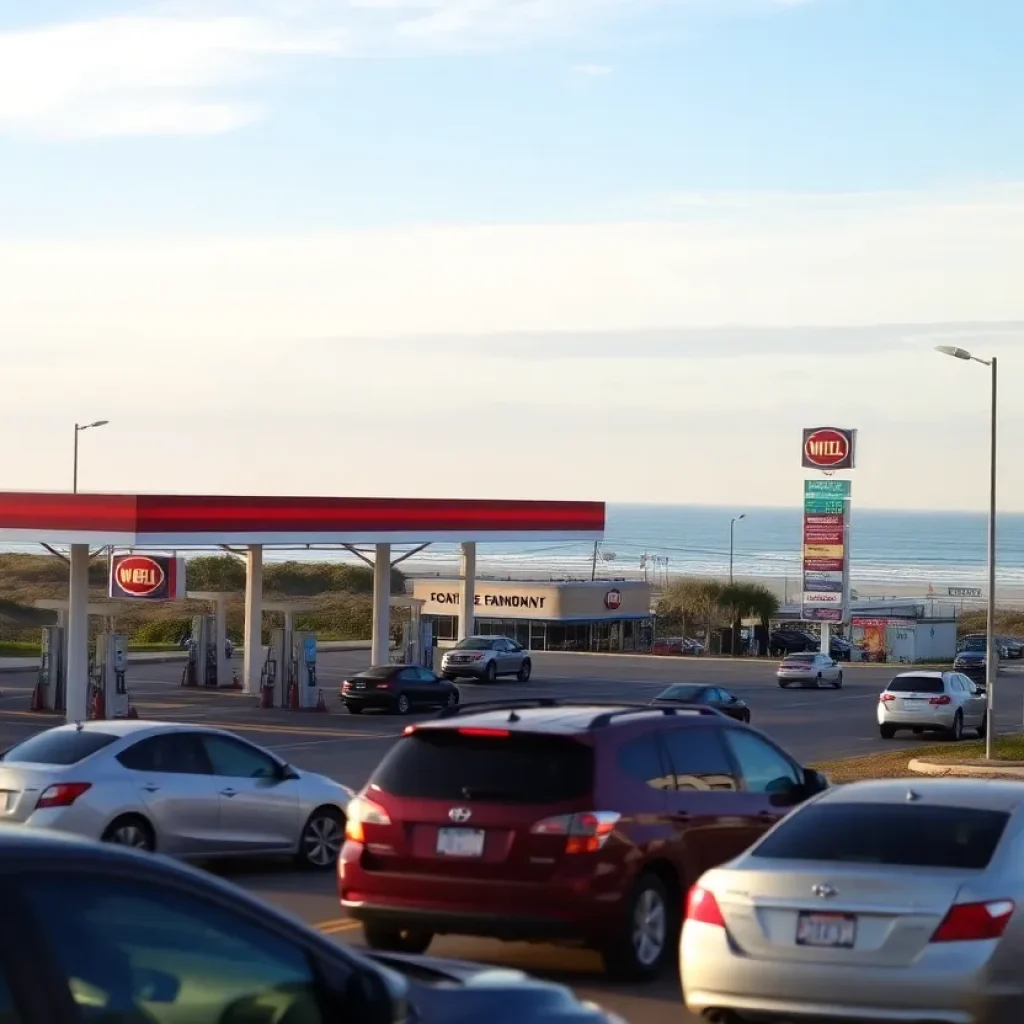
pixel 109 697
pixel 278 667
pixel 304 648
pixel 203 660
pixel 426 643
pixel 49 694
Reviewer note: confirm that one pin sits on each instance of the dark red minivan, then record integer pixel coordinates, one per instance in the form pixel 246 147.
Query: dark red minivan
pixel 584 823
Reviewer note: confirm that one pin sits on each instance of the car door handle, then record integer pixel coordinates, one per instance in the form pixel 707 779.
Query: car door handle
pixel 229 792
pixel 766 816
pixel 682 818
pixel 150 788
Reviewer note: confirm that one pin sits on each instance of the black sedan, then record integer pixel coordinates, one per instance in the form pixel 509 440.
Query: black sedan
pixel 397 689
pixel 94 931
pixel 719 699
pixel 971 659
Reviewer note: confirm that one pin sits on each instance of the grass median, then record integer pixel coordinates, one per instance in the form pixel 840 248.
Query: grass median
pixel 892 764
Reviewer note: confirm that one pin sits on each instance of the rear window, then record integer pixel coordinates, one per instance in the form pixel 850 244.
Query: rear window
pixel 381 672
pixel 684 693
pixel 57 746
pixel 803 658
pixel 916 684
pixel 906 835
pixel 443 764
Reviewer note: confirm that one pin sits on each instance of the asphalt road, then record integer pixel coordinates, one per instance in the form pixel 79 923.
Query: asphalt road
pixel 814 725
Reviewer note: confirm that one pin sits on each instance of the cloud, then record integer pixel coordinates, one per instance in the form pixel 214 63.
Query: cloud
pixel 188 67
pixel 143 75
pixel 592 70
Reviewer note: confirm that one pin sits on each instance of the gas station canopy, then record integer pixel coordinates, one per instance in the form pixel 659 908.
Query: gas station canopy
pixel 84 521
pixel 150 520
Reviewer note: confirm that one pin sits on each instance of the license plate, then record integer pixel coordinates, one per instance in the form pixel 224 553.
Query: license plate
pixel 460 842
pixel 835 931
pixel 359 686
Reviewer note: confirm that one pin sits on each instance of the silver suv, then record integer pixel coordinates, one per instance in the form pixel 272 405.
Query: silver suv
pixel 486 658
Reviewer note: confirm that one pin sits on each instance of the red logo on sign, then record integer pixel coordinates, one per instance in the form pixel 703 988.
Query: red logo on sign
pixel 827 447
pixel 612 599
pixel 139 575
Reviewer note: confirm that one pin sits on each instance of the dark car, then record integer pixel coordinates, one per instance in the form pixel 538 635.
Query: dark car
pixel 397 689
pixel 971 659
pixel 791 641
pixel 1007 646
pixel 93 932
pixel 558 820
pixel 713 696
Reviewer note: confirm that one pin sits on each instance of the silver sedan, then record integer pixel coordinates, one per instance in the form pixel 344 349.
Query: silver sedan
pixel 187 791
pixel 807 669
pixel 885 901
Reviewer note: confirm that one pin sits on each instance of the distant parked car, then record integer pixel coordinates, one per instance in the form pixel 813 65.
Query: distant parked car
pixel 972 659
pixel 485 658
pixel 807 669
pixel 1007 646
pixel 678 645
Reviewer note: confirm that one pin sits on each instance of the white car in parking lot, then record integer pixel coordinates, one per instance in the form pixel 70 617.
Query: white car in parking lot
pixel 947 702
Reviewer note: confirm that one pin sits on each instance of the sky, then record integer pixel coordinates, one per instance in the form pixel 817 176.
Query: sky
pixel 603 249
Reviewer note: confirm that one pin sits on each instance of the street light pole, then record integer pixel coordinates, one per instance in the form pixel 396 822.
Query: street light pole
pixel 78 429
pixel 990 640
pixel 732 535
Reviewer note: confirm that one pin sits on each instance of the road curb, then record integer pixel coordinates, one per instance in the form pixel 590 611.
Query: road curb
pixel 978 771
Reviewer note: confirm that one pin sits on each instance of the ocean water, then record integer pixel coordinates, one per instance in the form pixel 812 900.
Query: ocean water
pixel 940 549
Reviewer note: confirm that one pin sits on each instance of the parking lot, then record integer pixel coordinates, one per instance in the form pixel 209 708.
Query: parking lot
pixel 813 725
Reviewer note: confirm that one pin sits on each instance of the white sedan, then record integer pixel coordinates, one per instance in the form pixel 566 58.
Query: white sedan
pixel 809 669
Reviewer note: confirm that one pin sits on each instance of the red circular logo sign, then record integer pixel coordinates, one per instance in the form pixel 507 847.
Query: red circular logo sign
pixel 139 575
pixel 827 447
pixel 612 599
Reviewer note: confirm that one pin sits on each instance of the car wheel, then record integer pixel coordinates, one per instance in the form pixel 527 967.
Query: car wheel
pixel 648 934
pixel 956 731
pixel 491 672
pixel 403 705
pixel 387 938
pixel 887 732
pixel 523 675
pixel 453 699
pixel 746 718
pixel 817 682
pixel 131 830
pixel 838 684
pixel 353 709
pixel 321 839
pixel 783 684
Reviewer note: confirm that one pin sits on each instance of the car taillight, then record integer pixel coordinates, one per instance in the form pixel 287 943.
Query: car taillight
pixel 363 812
pixel 885 698
pixel 62 794
pixel 586 832
pixel 500 733
pixel 702 906
pixel 971 922
pixel 944 699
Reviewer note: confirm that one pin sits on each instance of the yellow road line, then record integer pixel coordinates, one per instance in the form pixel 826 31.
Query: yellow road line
pixel 296 730
pixel 340 924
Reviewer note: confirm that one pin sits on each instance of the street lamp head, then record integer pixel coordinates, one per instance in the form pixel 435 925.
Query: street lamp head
pixel 952 350
pixel 99 423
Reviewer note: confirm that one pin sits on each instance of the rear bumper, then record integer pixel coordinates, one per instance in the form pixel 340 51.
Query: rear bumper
pixel 938 717
pixel 579 907
pixel 945 986
pixel 370 700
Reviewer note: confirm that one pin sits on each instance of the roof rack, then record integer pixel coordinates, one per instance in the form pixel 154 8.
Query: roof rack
pixel 617 709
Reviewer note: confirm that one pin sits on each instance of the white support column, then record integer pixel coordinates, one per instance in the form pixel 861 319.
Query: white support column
pixel 252 637
pixel 826 638
pixel 467 596
pixel 381 642
pixel 77 693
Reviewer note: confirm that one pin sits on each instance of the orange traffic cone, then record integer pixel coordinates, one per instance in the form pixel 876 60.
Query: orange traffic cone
pixel 36 704
pixel 99 706
pixel 321 704
pixel 236 683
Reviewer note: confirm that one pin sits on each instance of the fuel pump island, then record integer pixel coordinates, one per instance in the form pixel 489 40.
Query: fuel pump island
pixel 72 679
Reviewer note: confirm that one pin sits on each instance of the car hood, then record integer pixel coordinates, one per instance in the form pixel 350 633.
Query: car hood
pixel 328 786
pixel 454 991
pixel 970 656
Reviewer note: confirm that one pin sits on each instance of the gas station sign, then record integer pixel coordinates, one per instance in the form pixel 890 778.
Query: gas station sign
pixel 147 578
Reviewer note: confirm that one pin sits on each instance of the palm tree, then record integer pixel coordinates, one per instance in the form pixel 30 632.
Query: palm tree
pixel 746 599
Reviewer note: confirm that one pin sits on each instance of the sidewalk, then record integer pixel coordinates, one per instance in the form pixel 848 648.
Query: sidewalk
pixel 157 657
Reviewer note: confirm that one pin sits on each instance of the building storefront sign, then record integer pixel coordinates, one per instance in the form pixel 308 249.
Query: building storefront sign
pixel 146 578
pixel 825 529
pixel 453 597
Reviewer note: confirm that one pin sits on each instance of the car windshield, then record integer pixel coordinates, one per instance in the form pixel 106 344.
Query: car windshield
pixel 975 644
pixel 474 643
pixel 58 746
pixel 916 684
pixel 447 764
pixel 906 835
pixel 685 693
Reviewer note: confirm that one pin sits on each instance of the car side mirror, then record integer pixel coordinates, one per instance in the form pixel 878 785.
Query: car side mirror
pixel 286 773
pixel 815 782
